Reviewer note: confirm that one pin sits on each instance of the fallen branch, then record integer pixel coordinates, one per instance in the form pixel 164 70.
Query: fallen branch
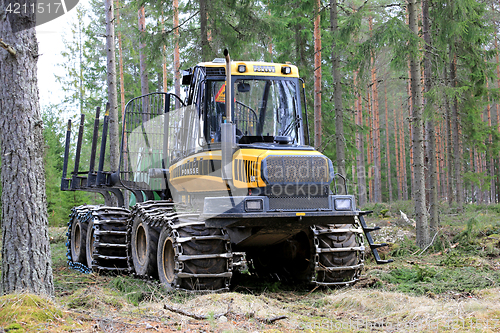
pixel 270 320
pixel 432 241
pixel 7 47
pixel 197 316
pixel 185 313
pixel 203 317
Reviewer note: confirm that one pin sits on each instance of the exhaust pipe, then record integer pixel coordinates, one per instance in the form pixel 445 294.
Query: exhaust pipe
pixel 228 130
pixel 228 86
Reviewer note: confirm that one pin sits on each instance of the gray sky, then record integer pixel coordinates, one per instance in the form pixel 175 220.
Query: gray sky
pixel 50 46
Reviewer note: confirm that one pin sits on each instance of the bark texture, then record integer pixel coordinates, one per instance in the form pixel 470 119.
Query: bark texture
pixel 142 55
pixel 114 143
pixel 205 47
pixel 418 137
pixel 337 93
pixel 26 261
pixel 318 127
pixel 177 73
pixel 431 134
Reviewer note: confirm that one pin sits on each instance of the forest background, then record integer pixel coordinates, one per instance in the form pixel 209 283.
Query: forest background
pixel 361 50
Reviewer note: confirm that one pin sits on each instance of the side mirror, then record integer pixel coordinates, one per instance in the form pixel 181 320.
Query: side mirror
pixel 243 87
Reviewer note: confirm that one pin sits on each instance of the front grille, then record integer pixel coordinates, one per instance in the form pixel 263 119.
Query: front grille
pixel 298 203
pixel 296 169
pixel 294 190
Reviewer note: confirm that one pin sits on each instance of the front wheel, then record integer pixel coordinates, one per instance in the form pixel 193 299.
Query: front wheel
pixel 193 257
pixel 166 260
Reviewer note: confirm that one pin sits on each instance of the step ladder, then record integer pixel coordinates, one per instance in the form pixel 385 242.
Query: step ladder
pixel 367 231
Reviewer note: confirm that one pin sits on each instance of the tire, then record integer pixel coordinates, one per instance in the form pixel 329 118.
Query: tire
pixel 144 245
pixel 166 260
pixel 90 244
pixel 338 259
pixel 78 240
pixel 203 266
pixel 176 271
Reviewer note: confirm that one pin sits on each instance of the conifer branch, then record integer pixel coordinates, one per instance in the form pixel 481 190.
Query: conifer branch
pixel 180 25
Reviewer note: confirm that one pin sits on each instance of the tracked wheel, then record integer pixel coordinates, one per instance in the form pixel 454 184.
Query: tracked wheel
pixel 143 229
pixel 78 237
pixel 106 245
pixel 339 254
pixel 144 244
pixel 193 257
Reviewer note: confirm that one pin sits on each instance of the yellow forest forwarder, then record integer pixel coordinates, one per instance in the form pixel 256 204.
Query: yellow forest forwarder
pixel 225 172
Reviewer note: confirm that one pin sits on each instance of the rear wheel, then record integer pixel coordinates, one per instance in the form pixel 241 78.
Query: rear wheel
pixel 106 239
pixel 144 242
pixel 90 244
pixel 78 239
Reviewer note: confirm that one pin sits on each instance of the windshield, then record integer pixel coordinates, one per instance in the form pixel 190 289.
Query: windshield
pixel 263 109
pixel 266 108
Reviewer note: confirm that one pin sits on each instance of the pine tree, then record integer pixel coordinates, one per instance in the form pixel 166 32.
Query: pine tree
pixel 26 255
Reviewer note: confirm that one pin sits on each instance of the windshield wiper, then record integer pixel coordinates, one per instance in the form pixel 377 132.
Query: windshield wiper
pixel 293 125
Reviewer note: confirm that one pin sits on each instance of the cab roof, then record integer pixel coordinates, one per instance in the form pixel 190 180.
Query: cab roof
pixel 257 68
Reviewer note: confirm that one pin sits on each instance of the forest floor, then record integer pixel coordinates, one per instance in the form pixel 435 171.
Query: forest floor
pixel 453 286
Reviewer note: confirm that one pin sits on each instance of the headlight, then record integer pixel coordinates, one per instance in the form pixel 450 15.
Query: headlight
pixel 343 204
pixel 254 205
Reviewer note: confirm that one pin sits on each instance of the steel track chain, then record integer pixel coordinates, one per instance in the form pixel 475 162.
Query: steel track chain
pixel 152 213
pixel 166 214
pixel 359 249
pixel 110 231
pixel 82 213
pixel 182 223
pixel 109 223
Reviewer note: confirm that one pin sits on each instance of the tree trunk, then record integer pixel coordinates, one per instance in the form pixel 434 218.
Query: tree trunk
pixel 497 109
pixel 120 62
pixel 142 52
pixel 377 183
pixel 317 77
pixel 114 143
pixel 26 260
pixel 122 94
pixel 431 144
pixel 398 160
pixel 203 31
pixel 164 85
pixel 337 94
pixel 387 147
pixel 418 192
pixel 177 73
pixel 402 152
pixel 369 146
pixel 360 158
pixel 455 135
